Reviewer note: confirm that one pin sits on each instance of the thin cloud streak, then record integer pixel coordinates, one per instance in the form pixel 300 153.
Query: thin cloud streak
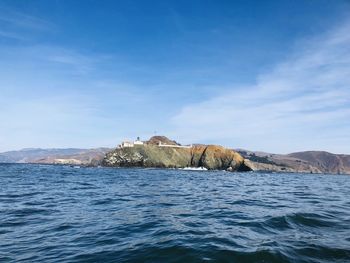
pixel 59 97
pixel 16 19
pixel 304 103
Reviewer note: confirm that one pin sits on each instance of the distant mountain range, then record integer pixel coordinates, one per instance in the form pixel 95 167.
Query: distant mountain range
pixel 305 162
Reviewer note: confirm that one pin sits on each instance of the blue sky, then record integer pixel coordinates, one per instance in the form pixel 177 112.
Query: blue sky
pixel 260 75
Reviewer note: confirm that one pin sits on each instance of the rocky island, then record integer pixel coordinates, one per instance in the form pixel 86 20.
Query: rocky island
pixel 161 152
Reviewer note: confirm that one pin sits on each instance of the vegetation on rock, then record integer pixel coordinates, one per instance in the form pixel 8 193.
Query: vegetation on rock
pixel 212 157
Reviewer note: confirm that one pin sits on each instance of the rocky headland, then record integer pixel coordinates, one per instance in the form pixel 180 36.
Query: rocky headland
pixel 161 152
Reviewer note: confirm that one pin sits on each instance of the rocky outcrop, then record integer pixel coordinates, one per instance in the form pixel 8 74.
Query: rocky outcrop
pixel 268 167
pixel 216 157
pixel 212 157
pixel 155 140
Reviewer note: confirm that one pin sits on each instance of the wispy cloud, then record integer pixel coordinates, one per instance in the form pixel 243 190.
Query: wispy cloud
pixel 52 59
pixel 21 27
pixel 53 96
pixel 56 94
pixel 303 103
pixel 11 35
pixel 21 20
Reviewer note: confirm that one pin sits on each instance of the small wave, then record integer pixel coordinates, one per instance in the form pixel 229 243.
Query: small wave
pixel 310 220
pixel 62 227
pixel 324 253
pixel 103 201
pixel 297 219
pixel 194 169
pixel 279 223
pixel 29 212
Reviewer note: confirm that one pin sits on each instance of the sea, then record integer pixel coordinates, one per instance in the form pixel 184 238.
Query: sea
pixel 52 213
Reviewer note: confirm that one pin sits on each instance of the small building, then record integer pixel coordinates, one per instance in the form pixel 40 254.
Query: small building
pixel 127 144
pixel 138 141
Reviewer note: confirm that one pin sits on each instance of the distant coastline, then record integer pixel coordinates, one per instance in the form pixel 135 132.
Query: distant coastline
pixel 165 153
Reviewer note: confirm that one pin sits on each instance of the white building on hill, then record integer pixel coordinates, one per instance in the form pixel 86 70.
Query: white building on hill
pixel 138 141
pixel 126 144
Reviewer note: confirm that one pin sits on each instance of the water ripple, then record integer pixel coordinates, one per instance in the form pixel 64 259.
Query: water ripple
pixel 62 214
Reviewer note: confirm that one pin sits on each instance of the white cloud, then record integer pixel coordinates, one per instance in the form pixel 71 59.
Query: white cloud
pixel 303 103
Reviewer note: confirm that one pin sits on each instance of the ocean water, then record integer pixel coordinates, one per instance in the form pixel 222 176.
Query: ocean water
pixel 69 214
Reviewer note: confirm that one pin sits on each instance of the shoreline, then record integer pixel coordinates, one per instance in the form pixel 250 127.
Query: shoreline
pixel 179 169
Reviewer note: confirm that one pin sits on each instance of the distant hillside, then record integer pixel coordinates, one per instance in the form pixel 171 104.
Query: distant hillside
pixel 325 161
pixel 26 155
pixel 305 162
pixel 86 157
pixel 54 156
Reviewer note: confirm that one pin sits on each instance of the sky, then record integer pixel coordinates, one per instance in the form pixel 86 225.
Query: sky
pixel 272 76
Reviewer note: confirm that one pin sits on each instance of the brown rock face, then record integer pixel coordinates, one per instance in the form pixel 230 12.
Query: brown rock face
pixel 213 156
